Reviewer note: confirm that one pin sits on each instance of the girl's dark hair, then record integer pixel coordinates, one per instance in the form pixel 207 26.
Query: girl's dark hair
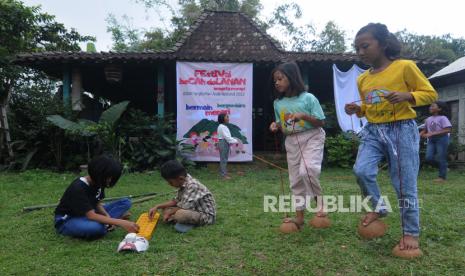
pixel 385 38
pixel 292 72
pixel 444 108
pixel 102 168
pixel 221 118
pixel 172 169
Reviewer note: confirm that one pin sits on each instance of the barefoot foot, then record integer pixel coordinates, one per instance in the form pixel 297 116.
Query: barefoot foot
pixel 407 248
pixel 369 218
pixel 321 213
pixel 408 243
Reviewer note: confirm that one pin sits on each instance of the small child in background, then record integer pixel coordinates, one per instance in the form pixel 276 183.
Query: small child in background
pixel 388 91
pixel 300 118
pixel 437 129
pixel 193 205
pixel 225 138
pixel 80 212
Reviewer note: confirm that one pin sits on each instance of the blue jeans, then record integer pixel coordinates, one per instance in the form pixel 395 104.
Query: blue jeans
pixel 224 153
pixel 82 227
pixel 398 144
pixel 437 145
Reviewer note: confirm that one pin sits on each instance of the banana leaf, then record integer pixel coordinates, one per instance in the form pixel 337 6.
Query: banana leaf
pixel 112 114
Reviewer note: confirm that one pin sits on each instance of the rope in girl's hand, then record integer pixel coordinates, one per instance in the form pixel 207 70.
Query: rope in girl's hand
pixel 280 171
pixel 269 163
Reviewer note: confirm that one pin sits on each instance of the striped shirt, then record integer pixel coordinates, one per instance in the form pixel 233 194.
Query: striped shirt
pixel 194 196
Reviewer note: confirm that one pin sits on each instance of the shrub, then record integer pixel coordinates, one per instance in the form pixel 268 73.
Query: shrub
pixel 341 150
pixel 36 142
pixel 150 141
pixel 455 147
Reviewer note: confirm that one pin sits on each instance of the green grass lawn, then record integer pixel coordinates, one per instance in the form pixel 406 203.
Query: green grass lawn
pixel 245 240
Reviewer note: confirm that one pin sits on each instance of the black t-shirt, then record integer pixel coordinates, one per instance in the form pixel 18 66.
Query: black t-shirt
pixel 79 198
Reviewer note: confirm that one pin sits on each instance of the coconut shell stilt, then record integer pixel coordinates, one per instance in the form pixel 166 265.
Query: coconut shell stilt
pixel 406 254
pixel 375 229
pixel 289 226
pixel 320 222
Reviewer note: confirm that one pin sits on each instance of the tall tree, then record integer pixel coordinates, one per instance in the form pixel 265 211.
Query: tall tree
pixel 426 46
pixel 27 29
pixel 125 37
pixel 331 40
pixel 297 38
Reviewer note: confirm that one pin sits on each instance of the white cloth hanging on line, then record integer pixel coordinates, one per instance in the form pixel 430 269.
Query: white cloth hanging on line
pixel 346 91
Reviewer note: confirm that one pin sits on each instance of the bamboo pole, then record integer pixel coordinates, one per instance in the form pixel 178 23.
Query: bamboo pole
pixel 145 197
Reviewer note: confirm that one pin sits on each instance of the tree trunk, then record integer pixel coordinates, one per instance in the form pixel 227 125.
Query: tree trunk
pixel 5 139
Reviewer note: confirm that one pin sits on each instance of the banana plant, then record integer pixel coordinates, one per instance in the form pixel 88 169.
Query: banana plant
pixel 104 129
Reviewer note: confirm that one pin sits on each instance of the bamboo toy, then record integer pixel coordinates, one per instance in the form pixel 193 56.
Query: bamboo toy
pixel 146 225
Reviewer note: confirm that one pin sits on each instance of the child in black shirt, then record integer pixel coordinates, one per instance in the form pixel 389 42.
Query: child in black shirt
pixel 80 212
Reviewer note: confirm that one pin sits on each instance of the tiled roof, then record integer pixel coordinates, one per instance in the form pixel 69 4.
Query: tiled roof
pixel 101 57
pixel 227 36
pixel 219 36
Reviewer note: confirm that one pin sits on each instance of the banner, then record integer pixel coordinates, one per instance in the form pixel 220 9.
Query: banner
pixel 205 90
pixel 346 91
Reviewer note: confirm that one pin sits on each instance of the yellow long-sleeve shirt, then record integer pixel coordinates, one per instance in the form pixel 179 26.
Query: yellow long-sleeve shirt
pixel 399 76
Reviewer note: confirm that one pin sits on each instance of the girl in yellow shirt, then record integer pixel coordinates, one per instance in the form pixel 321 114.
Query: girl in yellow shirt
pixel 388 91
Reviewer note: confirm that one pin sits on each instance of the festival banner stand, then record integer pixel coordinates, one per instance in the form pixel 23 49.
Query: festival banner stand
pixel 205 90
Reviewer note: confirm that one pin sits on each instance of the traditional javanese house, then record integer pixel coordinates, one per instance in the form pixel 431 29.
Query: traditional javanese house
pixel 148 79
